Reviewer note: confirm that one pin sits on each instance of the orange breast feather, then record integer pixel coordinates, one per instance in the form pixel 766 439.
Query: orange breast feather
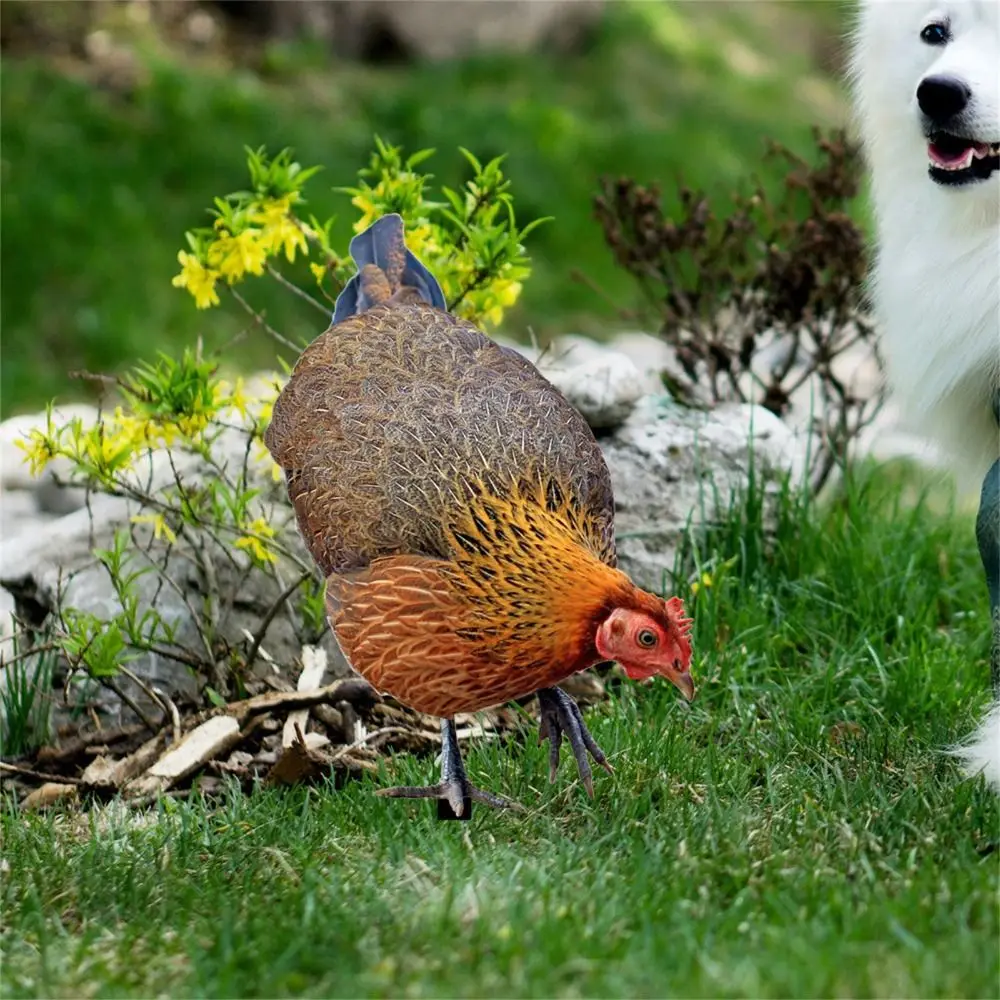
pixel 426 632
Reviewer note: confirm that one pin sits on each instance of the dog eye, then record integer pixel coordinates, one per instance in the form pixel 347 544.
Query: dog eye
pixel 646 638
pixel 935 34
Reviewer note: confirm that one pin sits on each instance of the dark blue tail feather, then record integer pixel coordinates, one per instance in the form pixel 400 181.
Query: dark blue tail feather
pixel 382 244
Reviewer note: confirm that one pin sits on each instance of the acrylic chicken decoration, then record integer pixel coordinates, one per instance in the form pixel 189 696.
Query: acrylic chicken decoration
pixel 462 513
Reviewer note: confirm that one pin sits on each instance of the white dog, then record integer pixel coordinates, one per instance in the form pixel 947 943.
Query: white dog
pixel 926 76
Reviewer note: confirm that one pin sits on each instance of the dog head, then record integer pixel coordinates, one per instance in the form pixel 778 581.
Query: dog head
pixel 926 76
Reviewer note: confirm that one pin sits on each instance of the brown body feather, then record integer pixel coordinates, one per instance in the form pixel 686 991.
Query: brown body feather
pixel 459 506
pixel 393 420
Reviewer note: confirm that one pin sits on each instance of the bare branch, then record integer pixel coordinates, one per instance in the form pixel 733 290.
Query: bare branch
pixel 260 321
pixel 295 290
pixel 265 623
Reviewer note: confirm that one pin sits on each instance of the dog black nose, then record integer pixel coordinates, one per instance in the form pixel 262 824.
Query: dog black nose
pixel 942 97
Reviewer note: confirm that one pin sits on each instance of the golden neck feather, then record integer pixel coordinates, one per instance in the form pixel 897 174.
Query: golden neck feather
pixel 527 567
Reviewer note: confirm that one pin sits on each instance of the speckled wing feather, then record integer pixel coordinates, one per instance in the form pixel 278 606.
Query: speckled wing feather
pixel 395 417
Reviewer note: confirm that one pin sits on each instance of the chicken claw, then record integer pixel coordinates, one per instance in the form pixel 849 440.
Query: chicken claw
pixel 561 716
pixel 455 793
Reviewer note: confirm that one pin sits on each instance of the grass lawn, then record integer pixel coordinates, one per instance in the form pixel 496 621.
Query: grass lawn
pixel 795 832
pixel 99 186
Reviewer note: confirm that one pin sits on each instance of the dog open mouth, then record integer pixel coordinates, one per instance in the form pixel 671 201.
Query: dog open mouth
pixel 955 159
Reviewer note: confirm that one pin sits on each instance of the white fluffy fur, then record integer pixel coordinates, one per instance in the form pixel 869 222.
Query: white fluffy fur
pixel 936 280
pixel 980 754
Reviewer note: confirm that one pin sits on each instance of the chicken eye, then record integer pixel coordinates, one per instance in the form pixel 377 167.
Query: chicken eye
pixel 935 33
pixel 646 638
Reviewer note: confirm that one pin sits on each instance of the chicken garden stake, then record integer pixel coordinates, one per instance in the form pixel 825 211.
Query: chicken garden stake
pixel 462 513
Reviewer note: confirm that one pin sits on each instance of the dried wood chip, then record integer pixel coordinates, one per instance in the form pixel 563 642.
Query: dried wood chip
pixel 298 718
pixel 100 773
pixel 213 737
pixel 316 740
pixel 309 757
pixel 77 745
pixel 48 795
pixel 355 762
pixel 354 728
pixel 103 773
pixel 333 719
pixel 350 689
pixel 313 668
pixel 314 664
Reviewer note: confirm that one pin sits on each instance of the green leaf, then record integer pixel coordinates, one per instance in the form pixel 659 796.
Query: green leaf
pixel 214 697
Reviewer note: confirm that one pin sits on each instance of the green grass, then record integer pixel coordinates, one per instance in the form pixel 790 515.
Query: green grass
pixel 99 187
pixel 752 845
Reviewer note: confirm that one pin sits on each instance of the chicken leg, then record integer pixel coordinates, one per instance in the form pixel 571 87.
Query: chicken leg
pixel 561 716
pixel 455 793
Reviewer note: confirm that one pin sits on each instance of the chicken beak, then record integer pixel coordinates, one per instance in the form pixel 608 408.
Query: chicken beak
pixel 683 681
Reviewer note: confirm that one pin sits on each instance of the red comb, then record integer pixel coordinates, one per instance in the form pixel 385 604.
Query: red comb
pixel 675 608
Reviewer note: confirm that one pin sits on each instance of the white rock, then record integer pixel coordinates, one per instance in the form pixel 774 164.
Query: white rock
pixel 858 370
pixel 604 388
pixel 65 541
pixel 7 625
pixel 569 350
pixel 19 512
pixel 35 568
pixel 672 467
pixel 651 355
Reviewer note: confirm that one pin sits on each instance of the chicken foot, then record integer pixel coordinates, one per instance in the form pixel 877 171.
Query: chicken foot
pixel 455 793
pixel 561 716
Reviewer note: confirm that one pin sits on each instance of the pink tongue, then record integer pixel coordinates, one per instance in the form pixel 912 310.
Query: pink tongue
pixel 943 159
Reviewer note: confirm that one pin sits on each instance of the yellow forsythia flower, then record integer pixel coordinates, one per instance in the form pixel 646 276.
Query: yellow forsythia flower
pixel 232 396
pixel 237 398
pixel 279 231
pixel 197 279
pixel 365 203
pixel 160 527
pixel 504 293
pixel 39 449
pixel 105 446
pixel 271 211
pixel 138 431
pixel 235 256
pixel 256 534
pixel 191 425
pixel 262 455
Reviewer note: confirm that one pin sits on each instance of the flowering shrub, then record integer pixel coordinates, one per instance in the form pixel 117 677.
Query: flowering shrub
pixel 470 241
pixel 184 447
